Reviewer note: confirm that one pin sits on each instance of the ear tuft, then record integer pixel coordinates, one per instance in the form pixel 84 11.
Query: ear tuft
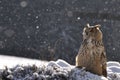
pixel 98 25
pixel 87 25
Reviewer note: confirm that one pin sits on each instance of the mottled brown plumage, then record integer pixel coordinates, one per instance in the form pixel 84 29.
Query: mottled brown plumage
pixel 92 54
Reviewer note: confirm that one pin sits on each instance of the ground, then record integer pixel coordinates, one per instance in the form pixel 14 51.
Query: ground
pixel 13 68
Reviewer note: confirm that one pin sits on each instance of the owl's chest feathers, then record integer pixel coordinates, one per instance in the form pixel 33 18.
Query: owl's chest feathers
pixel 91 48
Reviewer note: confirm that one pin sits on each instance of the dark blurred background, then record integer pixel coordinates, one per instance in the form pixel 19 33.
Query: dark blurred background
pixel 52 29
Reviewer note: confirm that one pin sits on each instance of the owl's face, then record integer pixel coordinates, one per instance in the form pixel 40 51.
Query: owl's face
pixel 92 32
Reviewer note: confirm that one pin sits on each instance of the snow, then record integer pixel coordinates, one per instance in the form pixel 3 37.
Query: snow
pixel 59 63
pixel 31 69
pixel 113 69
pixel 23 4
pixel 111 63
pixel 11 61
pixel 81 74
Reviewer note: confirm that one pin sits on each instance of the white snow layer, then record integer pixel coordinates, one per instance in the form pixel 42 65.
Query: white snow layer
pixel 11 61
pixel 53 70
pixel 76 73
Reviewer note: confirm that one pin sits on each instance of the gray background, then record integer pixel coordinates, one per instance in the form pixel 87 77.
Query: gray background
pixel 52 29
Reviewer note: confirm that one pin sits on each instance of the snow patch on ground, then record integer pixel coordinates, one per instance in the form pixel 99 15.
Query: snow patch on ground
pixel 11 61
pixel 113 70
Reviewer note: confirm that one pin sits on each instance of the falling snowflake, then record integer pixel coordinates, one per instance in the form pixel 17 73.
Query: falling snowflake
pixel 37 27
pixel 23 4
pixel 36 17
pixel 78 18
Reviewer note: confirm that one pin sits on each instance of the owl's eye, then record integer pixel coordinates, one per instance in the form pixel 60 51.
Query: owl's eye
pixel 91 30
pixel 86 32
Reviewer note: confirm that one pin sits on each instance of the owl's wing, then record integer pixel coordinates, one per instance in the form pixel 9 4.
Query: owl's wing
pixel 104 64
pixel 103 58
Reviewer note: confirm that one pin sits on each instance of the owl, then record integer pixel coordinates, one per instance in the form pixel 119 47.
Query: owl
pixel 92 53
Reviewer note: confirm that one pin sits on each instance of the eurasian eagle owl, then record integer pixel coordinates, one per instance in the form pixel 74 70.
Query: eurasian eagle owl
pixel 92 54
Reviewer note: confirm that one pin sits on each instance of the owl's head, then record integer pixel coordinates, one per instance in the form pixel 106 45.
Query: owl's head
pixel 92 32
